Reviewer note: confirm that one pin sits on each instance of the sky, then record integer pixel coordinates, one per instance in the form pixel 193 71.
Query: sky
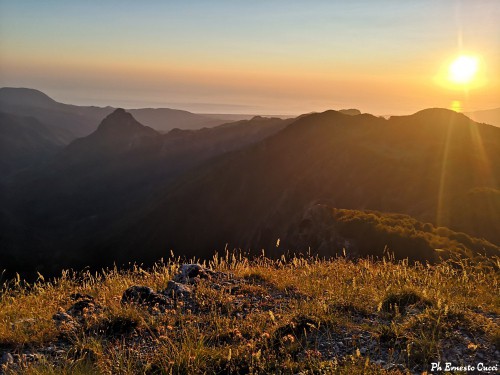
pixel 262 56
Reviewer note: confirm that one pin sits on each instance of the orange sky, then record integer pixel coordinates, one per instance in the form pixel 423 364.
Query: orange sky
pixel 383 57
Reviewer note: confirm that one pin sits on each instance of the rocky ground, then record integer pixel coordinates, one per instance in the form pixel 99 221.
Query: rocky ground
pixel 249 324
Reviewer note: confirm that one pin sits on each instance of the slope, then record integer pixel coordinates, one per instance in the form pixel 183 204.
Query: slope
pixel 24 141
pixel 97 180
pixel 425 165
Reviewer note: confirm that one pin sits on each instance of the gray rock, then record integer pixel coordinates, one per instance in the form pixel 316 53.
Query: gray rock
pixel 63 319
pixel 189 273
pixel 7 358
pixel 177 290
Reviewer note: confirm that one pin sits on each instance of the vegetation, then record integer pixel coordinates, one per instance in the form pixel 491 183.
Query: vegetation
pixel 406 236
pixel 298 314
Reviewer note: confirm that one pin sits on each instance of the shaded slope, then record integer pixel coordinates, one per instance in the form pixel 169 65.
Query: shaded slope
pixel 24 141
pixel 99 179
pixel 420 165
pixel 118 133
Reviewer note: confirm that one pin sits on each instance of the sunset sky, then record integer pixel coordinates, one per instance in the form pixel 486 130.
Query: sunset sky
pixel 267 57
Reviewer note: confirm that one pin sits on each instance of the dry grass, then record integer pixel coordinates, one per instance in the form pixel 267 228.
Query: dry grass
pixel 286 316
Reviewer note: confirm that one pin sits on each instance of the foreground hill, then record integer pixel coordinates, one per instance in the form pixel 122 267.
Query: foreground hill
pixel 436 166
pixel 260 316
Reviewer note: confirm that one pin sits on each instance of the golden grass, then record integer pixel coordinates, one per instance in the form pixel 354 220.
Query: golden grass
pixel 271 296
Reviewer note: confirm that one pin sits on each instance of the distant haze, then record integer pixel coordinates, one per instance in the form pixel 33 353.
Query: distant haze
pixel 266 57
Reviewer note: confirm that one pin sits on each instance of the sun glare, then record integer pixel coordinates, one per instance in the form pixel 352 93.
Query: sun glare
pixel 463 69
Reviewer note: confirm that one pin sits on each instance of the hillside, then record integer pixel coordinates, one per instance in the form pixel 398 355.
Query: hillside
pixel 261 316
pixel 25 141
pixel 91 184
pixel 247 184
pixel 414 165
pixel 371 233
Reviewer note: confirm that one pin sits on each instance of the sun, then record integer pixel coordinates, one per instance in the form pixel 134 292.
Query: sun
pixel 463 69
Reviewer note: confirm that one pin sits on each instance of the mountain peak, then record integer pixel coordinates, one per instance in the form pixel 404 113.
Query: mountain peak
pixel 119 114
pixel 118 111
pixel 122 122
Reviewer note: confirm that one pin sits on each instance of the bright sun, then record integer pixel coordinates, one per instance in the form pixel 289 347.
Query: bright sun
pixel 463 69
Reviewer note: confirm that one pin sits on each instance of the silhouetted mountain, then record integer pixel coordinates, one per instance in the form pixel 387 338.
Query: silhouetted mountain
pixel 424 165
pixel 80 121
pixel 488 116
pixel 24 97
pixel 99 179
pixel 127 192
pixel 75 120
pixel 64 123
pixel 118 133
pixel 24 141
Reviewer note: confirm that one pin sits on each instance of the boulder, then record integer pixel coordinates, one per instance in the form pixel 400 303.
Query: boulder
pixel 177 290
pixel 192 272
pixel 144 295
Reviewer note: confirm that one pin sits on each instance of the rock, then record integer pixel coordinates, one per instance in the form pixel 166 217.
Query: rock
pixel 189 273
pixel 83 307
pixel 137 294
pixel 177 290
pixel 62 317
pixel 144 295
pixel 65 321
pixel 6 359
pixel 78 312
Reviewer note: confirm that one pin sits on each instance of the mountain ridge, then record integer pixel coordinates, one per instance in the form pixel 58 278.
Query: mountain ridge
pixel 271 181
pixel 83 120
pixel 247 184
